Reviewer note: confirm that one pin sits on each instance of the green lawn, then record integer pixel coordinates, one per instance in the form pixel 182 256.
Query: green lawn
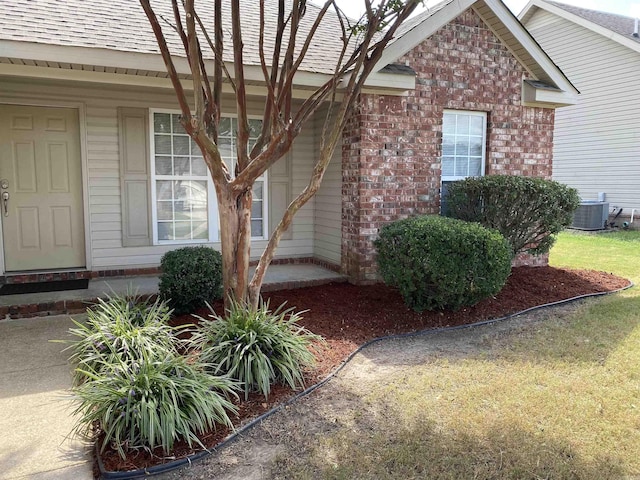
pixel 557 398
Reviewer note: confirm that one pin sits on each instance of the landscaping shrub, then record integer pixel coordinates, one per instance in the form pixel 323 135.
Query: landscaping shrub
pixel 121 329
pixel 527 211
pixel 442 263
pixel 191 277
pixel 256 347
pixel 151 403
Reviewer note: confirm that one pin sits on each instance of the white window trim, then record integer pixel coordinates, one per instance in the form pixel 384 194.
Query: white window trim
pixel 212 207
pixel 453 178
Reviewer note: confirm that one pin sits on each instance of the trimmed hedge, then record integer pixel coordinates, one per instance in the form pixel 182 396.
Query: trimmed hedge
pixel 527 211
pixel 190 277
pixel 442 263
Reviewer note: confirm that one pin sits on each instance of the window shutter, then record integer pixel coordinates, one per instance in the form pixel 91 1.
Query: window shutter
pixel 133 126
pixel 280 191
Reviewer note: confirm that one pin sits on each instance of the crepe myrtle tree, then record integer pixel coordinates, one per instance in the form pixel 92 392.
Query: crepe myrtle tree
pixel 204 44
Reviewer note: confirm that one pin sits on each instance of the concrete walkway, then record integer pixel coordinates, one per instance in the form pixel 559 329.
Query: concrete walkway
pixel 35 407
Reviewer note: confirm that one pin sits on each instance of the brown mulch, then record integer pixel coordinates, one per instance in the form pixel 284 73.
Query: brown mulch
pixel 348 316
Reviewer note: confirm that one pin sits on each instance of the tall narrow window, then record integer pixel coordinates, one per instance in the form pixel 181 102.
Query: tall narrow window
pixel 463 144
pixel 185 209
pixel 463 148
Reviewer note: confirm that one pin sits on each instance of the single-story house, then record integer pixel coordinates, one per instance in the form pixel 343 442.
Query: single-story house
pixel 101 178
pixel 597 141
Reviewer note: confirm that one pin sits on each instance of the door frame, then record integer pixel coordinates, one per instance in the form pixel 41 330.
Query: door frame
pixel 80 107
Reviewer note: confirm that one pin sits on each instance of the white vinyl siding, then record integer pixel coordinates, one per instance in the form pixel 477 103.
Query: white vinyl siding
pixel 597 141
pixel 103 167
pixel 328 211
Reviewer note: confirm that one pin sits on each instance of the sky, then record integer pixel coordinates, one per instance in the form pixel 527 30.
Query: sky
pixel 631 8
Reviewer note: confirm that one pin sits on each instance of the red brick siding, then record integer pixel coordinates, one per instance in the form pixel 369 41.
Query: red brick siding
pixel 392 145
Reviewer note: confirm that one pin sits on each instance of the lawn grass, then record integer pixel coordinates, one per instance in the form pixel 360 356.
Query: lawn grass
pixel 557 398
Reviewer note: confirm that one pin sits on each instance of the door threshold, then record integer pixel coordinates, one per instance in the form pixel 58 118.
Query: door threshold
pixel 33 276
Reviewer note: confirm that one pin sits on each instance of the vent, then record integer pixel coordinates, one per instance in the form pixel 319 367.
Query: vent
pixel 591 215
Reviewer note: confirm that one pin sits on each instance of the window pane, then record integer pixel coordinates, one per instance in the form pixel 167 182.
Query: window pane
pixel 475 166
pixel 258 190
pixel 447 166
pixel 475 147
pixel 163 166
pixel 256 209
pixel 255 127
pixel 181 191
pixel 165 210
pixel 164 190
pixel 198 213
pixel 462 167
pixel 165 231
pixel 177 126
pixel 224 127
pixel 195 149
pixel 181 166
pixel 448 147
pixel 449 124
pixel 476 125
pixel 198 167
pixel 256 228
pixel 180 145
pixel 198 194
pixel 200 230
pixel 161 123
pixel 162 144
pixel 462 147
pixel 462 127
pixel 182 231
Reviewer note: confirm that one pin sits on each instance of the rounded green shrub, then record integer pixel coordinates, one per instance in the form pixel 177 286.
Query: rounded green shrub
pixel 527 211
pixel 256 347
pixel 442 263
pixel 191 277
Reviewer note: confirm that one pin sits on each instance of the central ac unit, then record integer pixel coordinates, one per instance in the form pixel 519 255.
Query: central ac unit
pixel 591 215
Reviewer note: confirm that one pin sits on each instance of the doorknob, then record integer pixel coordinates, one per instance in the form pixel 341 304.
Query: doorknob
pixel 4 184
pixel 5 203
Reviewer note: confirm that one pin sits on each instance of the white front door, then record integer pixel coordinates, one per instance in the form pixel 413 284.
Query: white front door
pixel 41 188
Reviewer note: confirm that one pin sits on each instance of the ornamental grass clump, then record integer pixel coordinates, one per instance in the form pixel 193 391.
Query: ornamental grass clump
pixel 151 403
pixel 256 347
pixel 122 330
pixel 441 263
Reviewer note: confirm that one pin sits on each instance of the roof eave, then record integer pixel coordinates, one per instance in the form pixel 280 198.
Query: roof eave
pixel 533 96
pixel 533 5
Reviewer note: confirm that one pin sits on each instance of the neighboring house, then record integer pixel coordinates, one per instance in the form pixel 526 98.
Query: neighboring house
pixel 597 141
pixel 102 179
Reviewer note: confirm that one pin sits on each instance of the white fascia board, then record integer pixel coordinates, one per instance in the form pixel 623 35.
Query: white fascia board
pixel 416 35
pixel 103 57
pixel 547 98
pixel 64 74
pixel 605 32
pixel 534 49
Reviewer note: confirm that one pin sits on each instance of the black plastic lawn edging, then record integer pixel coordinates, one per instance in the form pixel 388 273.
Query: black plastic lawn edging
pixel 167 467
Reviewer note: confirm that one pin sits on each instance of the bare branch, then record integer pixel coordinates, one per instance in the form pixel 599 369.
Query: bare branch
pixel 241 95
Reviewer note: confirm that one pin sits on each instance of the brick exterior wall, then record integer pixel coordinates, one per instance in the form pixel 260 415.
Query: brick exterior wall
pixel 392 145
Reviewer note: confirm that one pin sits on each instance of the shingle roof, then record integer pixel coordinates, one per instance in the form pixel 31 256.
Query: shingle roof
pixel 620 24
pixel 121 25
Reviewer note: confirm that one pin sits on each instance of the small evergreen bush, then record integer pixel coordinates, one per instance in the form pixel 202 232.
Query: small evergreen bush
pixel 527 211
pixel 191 277
pixel 442 263
pixel 256 347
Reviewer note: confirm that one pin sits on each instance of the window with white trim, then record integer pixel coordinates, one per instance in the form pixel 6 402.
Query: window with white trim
pixel 463 144
pixel 184 201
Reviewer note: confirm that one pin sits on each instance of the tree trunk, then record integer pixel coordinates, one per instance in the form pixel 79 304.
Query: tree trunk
pixel 235 240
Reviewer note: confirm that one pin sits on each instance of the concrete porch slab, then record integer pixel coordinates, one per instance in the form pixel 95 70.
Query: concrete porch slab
pixel 278 277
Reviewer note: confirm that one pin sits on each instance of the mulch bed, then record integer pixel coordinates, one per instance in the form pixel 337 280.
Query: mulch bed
pixel 348 316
